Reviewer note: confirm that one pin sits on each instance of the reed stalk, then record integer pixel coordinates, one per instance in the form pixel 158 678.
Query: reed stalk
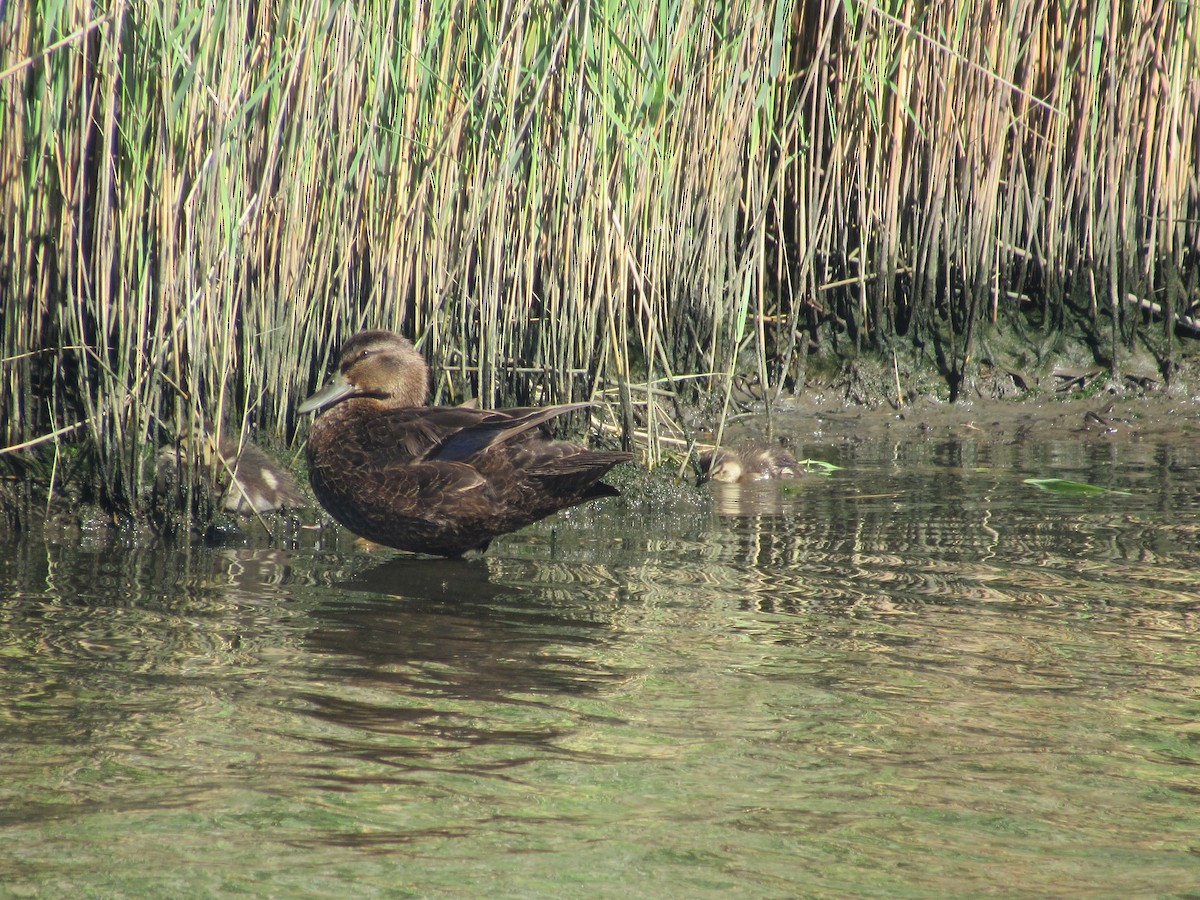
pixel 201 201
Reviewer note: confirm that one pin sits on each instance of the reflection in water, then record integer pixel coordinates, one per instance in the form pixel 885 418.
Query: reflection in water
pixel 757 498
pixel 419 647
pixel 917 676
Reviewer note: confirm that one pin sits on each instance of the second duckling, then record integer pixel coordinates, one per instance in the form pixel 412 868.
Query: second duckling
pixel 257 484
pixel 249 481
pixel 741 465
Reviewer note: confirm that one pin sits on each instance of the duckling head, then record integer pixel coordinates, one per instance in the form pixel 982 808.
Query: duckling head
pixel 377 364
pixel 721 465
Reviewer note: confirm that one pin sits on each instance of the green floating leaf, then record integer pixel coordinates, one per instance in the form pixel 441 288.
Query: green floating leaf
pixel 1063 486
pixel 818 464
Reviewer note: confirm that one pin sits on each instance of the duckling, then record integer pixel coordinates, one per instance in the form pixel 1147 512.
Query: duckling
pixel 255 483
pixel 747 464
pixel 436 479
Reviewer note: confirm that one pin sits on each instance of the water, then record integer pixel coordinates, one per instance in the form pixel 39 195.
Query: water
pixel 917 677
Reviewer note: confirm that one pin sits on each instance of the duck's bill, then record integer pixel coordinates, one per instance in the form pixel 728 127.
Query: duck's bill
pixel 337 388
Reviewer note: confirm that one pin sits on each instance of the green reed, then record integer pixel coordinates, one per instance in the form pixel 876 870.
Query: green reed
pixel 642 205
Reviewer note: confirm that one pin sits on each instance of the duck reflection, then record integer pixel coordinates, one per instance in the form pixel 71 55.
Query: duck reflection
pixel 422 664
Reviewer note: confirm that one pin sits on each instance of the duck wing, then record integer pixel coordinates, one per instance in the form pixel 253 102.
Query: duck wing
pixel 435 464
pixel 450 433
pixel 496 427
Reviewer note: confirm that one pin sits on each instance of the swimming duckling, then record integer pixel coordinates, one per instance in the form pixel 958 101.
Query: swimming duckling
pixel 747 464
pixel 440 479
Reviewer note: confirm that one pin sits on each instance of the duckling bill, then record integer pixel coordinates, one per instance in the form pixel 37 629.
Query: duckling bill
pixel 436 479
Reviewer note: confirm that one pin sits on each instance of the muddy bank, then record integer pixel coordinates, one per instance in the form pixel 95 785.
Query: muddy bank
pixel 861 402
pixel 1100 417
pixel 1071 397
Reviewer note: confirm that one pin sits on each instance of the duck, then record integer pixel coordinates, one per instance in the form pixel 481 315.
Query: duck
pixel 753 463
pixel 440 480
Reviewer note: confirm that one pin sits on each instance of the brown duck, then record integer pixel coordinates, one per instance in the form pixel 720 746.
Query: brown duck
pixel 748 464
pixel 436 479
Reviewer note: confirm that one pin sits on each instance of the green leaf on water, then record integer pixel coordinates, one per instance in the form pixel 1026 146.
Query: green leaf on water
pixel 818 464
pixel 1063 486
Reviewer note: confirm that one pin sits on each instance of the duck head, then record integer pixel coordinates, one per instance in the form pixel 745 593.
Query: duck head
pixel 377 364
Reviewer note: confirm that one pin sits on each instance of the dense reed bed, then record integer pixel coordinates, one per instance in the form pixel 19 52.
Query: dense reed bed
pixel 628 202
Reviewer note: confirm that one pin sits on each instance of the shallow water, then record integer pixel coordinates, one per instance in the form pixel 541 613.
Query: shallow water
pixel 917 676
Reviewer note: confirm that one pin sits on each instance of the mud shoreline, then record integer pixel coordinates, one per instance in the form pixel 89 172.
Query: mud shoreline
pixel 850 405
